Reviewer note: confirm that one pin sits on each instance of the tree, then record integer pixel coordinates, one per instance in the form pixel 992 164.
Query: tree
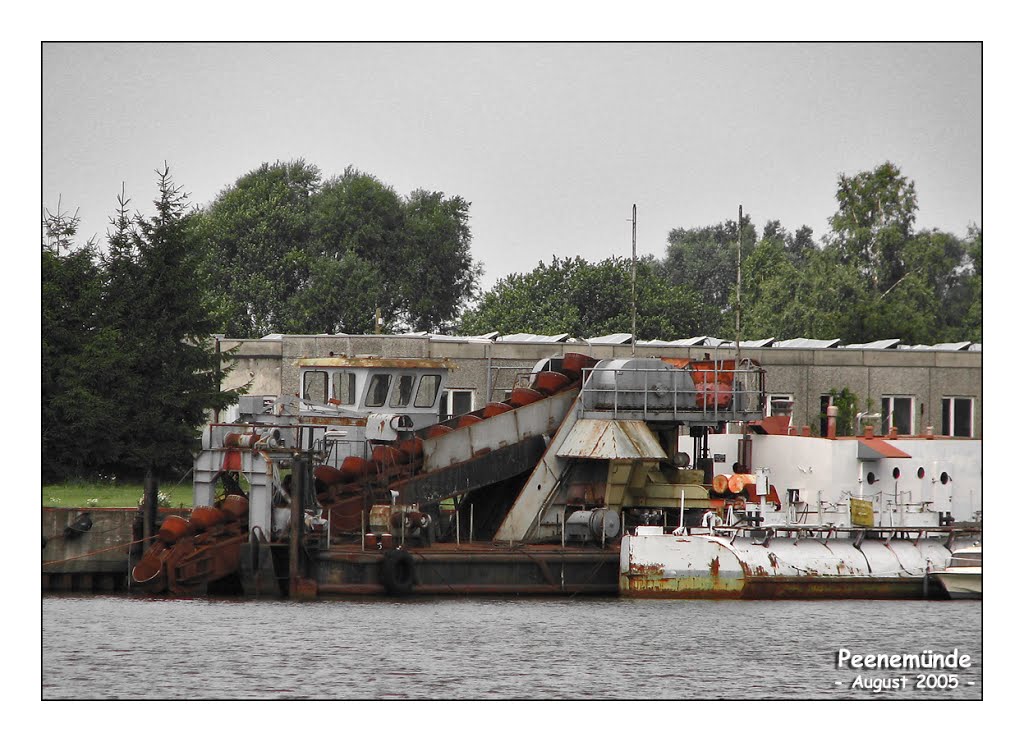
pixel 292 253
pixel 703 260
pixel 972 316
pixel 874 222
pixel 585 300
pixel 155 303
pixel 78 356
pixel 337 295
pixel 255 238
pixel 439 276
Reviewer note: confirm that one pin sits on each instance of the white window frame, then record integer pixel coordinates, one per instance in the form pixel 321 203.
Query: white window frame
pixel 771 397
pixel 886 420
pixel 949 419
pixel 449 393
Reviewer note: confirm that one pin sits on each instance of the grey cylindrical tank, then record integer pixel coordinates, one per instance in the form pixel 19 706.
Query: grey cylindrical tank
pixel 640 383
pixel 588 524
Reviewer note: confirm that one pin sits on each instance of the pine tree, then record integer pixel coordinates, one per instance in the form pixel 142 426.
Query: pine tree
pixel 77 356
pixel 156 302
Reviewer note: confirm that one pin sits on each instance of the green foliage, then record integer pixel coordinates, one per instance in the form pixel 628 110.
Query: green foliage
pixel 585 300
pixel 847 404
pixel 128 368
pixel 336 295
pixel 874 279
pixel 78 357
pixel 875 220
pixel 289 252
pixel 255 242
pixel 439 276
pixel 108 492
pixel 972 282
pixel 703 261
pixel 168 372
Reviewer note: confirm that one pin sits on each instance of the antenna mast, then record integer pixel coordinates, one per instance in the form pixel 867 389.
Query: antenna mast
pixel 739 260
pixel 632 339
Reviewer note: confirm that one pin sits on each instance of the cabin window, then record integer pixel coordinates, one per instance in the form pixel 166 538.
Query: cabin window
pixel 958 416
pixel 344 383
pixel 314 387
pixel 898 412
pixel 377 392
pixel 402 394
pixel 426 395
pixel 455 402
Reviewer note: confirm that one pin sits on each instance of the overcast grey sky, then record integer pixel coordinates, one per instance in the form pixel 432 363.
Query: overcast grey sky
pixel 551 143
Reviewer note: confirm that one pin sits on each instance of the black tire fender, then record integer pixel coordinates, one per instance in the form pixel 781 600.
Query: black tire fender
pixel 398 572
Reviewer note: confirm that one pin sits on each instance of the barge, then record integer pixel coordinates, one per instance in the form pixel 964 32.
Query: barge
pixel 577 482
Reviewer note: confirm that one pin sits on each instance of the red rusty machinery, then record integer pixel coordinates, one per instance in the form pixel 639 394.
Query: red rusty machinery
pixel 345 494
pixel 523 396
pixel 496 408
pixel 549 382
pixel 191 553
pixel 713 380
pixel 574 363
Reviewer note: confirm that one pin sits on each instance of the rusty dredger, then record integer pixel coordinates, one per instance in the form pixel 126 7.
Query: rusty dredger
pixel 576 483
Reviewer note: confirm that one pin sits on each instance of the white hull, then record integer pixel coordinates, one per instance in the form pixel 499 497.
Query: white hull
pixel 961 585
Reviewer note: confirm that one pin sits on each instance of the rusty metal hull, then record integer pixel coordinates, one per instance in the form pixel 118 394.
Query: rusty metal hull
pixel 781 588
pixel 704 566
pixel 473 569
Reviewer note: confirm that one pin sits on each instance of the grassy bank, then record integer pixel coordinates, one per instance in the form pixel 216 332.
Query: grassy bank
pixel 110 494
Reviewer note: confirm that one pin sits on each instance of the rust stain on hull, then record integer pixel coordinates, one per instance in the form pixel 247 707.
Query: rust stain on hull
pixel 772 588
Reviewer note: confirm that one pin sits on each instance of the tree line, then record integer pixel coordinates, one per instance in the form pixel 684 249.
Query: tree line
pixel 130 371
pixel 872 278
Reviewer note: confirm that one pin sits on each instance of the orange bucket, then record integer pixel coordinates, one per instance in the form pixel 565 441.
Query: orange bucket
pixel 205 517
pixel 172 529
pixel 523 396
pixel 235 507
pixel 549 382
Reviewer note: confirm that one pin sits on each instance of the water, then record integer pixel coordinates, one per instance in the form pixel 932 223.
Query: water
pixel 494 648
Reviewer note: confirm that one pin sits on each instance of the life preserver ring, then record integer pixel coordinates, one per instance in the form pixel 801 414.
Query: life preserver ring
pixel 398 572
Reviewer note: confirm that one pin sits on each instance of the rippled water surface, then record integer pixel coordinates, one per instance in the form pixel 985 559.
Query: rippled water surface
pixel 493 648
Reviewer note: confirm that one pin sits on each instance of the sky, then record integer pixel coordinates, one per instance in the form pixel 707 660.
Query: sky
pixel 552 144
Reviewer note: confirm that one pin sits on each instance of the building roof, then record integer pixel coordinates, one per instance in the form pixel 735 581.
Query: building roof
pixel 619 338
pixel 808 343
pixel 527 337
pixel 703 341
pixel 876 345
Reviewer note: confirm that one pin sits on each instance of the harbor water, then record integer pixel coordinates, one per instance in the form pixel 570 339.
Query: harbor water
pixel 103 647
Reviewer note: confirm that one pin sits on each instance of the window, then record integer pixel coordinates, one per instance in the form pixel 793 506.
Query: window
pixel 402 394
pixel 455 402
pixel 898 412
pixel 344 383
pixel 426 395
pixel 778 404
pixel 314 387
pixel 958 416
pixel 377 392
